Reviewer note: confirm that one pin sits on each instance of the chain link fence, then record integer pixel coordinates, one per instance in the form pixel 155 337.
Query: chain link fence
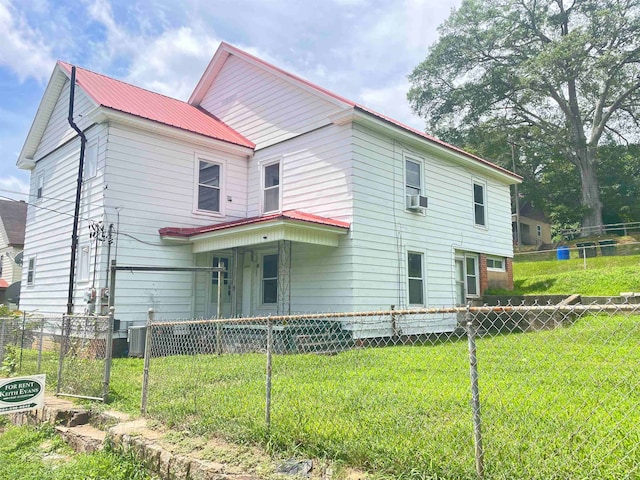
pixel 85 356
pixel 537 392
pixel 73 351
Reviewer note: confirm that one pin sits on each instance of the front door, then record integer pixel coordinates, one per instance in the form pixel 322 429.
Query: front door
pixel 227 286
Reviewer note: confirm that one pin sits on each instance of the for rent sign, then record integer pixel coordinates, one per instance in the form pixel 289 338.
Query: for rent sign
pixel 22 393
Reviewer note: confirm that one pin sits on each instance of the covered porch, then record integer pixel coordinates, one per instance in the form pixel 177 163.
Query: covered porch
pixel 261 256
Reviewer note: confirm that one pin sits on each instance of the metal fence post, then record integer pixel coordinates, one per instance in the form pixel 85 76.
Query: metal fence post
pixel 147 361
pixel 219 311
pixel 3 339
pixel 267 409
pixel 475 395
pixel 40 345
pixel 63 348
pixel 108 356
pixel 24 320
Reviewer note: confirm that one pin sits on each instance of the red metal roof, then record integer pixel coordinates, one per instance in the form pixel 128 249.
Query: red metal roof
pixel 123 97
pixel 3 283
pixel 292 215
pixel 369 111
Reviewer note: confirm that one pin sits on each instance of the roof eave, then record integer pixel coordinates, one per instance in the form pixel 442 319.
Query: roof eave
pixel 43 114
pixel 172 131
pixel 370 119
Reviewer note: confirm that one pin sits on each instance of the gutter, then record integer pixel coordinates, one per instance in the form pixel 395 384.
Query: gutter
pixel 76 212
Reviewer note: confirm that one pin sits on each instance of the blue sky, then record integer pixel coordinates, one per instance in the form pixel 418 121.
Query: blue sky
pixel 360 49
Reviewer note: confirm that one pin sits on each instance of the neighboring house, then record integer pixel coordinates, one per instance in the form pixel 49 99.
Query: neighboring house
pixel 534 226
pixel 13 215
pixel 313 203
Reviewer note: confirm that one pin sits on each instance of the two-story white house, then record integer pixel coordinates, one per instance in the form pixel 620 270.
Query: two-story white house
pixel 312 202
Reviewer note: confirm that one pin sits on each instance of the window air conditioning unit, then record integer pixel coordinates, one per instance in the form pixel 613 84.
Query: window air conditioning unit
pixel 417 203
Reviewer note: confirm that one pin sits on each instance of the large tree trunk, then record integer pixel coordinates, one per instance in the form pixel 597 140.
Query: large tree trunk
pixel 592 220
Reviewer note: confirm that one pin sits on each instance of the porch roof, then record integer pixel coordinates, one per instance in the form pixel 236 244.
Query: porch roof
pixel 290 225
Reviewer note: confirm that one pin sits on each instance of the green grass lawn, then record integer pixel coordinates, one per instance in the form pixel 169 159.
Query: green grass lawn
pixel 38 453
pixel 604 276
pixel 556 404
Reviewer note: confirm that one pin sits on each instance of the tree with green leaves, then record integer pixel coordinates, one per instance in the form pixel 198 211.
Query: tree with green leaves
pixel 566 72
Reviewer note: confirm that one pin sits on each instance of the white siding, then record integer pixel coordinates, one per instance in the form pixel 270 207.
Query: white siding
pixel 263 107
pixel 150 181
pixel 383 231
pixel 58 130
pixel 316 173
pixel 50 222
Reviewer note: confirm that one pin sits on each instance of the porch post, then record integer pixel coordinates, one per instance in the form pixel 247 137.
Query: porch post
pixel 284 277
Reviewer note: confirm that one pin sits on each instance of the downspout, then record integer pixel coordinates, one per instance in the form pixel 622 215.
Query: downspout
pixel 76 213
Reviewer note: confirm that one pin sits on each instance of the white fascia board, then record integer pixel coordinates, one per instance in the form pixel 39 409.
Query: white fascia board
pixel 108 114
pixel 209 75
pixel 274 223
pixel 221 56
pixel 441 151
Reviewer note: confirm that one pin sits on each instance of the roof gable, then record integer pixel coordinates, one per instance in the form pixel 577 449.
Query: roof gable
pixel 14 217
pixel 225 50
pixel 119 96
pixel 124 97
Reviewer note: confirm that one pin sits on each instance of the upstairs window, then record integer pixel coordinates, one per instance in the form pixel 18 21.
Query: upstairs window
pixel 31 271
pixel 416 278
pixel 91 160
pixel 39 186
pixel 209 182
pixel 479 204
pixel 271 188
pixel 413 177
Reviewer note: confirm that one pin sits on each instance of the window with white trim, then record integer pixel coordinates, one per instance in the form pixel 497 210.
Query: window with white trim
pixel 84 262
pixel 91 160
pixel 31 270
pixel 415 275
pixel 466 277
pixel 209 186
pixel 413 176
pixel 495 263
pixel 269 279
pixel 271 188
pixel 39 186
pixel 479 204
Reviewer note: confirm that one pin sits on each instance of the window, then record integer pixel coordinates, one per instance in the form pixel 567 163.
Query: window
pixel 466 278
pixel 225 274
pixel 1 264
pixel 209 175
pixel 31 270
pixel 39 186
pixel 91 160
pixel 270 279
pixel 271 188
pixel 416 278
pixel 539 230
pixel 479 204
pixel 84 263
pixel 472 275
pixel 495 263
pixel 412 179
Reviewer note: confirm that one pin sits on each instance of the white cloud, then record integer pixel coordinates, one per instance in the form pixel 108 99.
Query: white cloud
pixel 14 187
pixel 22 49
pixel 392 101
pixel 173 62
